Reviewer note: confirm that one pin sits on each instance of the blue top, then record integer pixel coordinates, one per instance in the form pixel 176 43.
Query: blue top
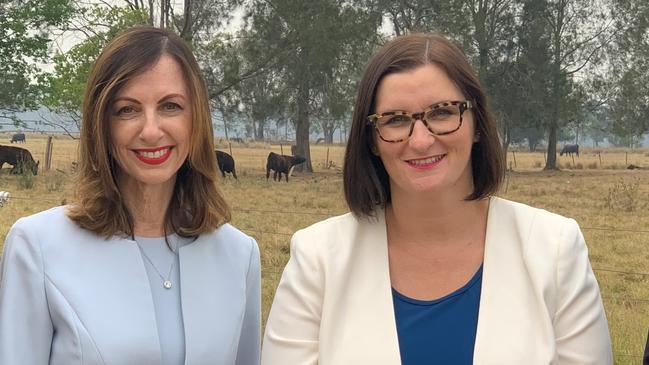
pixel 440 331
pixel 161 261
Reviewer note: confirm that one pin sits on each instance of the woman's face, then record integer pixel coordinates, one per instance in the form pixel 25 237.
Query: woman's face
pixel 150 125
pixel 425 163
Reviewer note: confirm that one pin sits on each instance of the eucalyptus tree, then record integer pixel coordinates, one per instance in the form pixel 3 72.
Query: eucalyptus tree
pixel 194 19
pixel 315 36
pixel 25 38
pixel 630 68
pixel 63 88
pixel 578 30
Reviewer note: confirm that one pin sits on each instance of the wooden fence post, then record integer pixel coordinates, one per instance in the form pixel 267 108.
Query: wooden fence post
pixel 599 154
pixel 514 154
pixel 48 154
pixel 327 159
pixel 281 148
pixel 230 145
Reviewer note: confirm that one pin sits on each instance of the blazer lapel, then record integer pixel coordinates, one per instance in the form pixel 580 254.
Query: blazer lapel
pixel 506 332
pixel 212 301
pixel 367 303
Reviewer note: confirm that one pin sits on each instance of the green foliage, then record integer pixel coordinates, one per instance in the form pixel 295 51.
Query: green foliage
pixel 630 65
pixel 25 27
pixel 26 180
pixel 64 88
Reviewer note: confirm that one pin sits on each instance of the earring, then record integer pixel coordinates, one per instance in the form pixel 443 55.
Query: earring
pixel 476 137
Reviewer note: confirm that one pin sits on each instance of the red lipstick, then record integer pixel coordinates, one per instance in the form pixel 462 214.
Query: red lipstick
pixel 153 156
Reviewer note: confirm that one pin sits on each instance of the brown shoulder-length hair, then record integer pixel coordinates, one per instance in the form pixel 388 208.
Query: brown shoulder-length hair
pixel 197 206
pixel 366 182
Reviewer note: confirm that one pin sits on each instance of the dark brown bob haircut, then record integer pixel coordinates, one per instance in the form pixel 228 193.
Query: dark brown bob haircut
pixel 366 182
pixel 196 206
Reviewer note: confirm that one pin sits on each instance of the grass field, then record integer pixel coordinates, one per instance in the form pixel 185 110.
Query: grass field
pixel 610 203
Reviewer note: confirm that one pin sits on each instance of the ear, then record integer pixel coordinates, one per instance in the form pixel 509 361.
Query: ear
pixel 476 136
pixel 374 150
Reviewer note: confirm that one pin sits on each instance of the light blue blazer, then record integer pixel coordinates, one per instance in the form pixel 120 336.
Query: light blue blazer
pixel 69 297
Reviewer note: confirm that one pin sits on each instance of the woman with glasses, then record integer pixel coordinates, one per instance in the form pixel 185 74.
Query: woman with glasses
pixel 430 267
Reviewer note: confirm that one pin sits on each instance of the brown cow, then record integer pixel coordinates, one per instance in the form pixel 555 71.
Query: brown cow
pixel 281 164
pixel 20 158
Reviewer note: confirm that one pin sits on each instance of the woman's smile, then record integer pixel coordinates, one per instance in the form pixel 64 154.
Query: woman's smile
pixel 426 163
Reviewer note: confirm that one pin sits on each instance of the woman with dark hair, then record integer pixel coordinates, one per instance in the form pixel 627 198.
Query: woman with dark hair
pixel 142 268
pixel 430 267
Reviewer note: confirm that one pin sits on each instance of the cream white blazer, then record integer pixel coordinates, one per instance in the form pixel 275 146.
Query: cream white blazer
pixel 540 302
pixel 69 297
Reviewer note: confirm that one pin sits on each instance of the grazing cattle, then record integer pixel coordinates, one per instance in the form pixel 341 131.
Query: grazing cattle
pixel 226 163
pixel 237 139
pixel 569 149
pixel 281 164
pixel 18 137
pixel 20 158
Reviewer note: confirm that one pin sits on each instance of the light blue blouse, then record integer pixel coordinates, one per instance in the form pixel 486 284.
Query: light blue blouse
pixel 163 264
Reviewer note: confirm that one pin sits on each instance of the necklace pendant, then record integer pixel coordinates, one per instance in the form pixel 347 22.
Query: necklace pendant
pixel 167 284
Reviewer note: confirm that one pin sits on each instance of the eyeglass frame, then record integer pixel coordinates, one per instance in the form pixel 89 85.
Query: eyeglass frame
pixel 463 106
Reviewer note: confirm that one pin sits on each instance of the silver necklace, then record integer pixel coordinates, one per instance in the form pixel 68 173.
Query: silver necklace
pixel 166 283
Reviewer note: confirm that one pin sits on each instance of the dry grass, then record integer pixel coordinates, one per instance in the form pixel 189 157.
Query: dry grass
pixel 605 199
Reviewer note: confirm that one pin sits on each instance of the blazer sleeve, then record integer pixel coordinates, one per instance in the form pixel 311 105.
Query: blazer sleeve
pixel 249 348
pixel 26 329
pixel 293 325
pixel 582 335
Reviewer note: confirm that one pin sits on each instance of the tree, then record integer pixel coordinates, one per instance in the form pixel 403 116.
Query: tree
pixel 630 63
pixel 315 42
pixel 195 20
pixel 63 89
pixel 579 29
pixel 25 28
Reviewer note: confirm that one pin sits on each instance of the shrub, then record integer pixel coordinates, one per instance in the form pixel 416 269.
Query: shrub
pixel 26 180
pixel 55 182
pixel 624 196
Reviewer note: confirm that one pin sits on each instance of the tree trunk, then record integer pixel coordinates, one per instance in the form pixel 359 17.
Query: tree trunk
pixel 551 163
pixel 162 13
pixel 479 20
pixel 150 13
pixel 259 130
pixel 328 129
pixel 225 124
pixel 507 139
pixel 186 32
pixel 329 136
pixel 302 127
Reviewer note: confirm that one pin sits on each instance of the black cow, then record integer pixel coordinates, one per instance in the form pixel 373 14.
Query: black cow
pixel 20 158
pixel 226 163
pixel 18 137
pixel 569 149
pixel 281 164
